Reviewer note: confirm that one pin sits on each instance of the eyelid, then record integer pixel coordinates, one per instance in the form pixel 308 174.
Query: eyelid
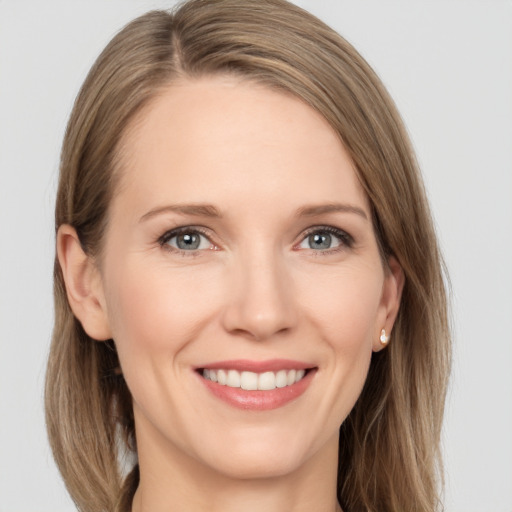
pixel 346 240
pixel 171 233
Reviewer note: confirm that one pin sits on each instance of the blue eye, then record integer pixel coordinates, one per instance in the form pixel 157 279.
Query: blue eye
pixel 186 240
pixel 324 239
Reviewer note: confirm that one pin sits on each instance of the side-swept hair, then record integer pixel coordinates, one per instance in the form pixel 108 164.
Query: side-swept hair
pixel 389 457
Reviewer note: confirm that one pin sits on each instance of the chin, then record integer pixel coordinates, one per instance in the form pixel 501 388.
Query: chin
pixel 258 466
pixel 267 454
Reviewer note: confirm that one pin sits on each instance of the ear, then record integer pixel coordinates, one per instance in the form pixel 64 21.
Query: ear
pixel 393 286
pixel 84 287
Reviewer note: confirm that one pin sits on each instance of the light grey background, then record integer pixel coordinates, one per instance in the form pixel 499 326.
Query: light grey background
pixel 448 65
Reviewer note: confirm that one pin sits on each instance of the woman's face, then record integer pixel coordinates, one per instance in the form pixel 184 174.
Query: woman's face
pixel 240 248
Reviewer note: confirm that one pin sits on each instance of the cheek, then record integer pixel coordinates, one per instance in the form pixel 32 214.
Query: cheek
pixel 155 311
pixel 349 333
pixel 344 306
pixel 345 316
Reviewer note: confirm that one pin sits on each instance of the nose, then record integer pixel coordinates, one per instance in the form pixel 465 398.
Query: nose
pixel 260 299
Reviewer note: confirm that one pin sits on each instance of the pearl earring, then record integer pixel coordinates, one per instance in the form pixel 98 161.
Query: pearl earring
pixel 383 338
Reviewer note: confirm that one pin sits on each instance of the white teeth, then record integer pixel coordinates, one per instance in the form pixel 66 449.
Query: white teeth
pixel 252 381
pixel 233 379
pixel 249 381
pixel 281 379
pixel 222 377
pixel 267 381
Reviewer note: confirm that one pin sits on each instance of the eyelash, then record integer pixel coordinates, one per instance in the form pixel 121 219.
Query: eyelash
pixel 346 240
pixel 163 241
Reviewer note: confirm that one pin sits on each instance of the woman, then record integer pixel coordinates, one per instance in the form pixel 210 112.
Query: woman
pixel 245 263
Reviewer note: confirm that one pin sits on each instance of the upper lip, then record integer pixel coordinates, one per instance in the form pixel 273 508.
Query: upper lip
pixel 269 365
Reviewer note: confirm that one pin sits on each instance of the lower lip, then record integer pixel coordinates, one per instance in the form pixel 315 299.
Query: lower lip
pixel 259 400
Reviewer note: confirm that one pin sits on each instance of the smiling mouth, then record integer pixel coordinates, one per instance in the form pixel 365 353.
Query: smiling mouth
pixel 257 385
pixel 252 381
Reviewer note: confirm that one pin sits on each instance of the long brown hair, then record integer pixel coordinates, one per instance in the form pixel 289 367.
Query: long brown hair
pixel 389 456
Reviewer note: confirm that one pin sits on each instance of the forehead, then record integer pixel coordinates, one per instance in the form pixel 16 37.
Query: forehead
pixel 201 135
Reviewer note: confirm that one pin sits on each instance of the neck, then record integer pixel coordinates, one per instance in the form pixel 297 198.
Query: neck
pixel 246 496
pixel 173 481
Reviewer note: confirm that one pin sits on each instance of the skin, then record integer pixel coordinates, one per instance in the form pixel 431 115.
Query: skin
pixel 255 289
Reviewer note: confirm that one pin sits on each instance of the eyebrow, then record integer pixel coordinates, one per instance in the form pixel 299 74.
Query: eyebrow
pixel 198 210
pixel 208 210
pixel 310 211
